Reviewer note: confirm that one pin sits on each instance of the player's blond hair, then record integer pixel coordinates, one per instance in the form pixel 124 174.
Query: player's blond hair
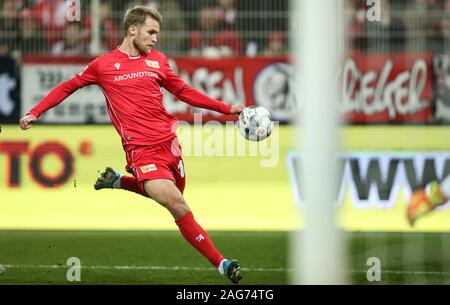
pixel 137 16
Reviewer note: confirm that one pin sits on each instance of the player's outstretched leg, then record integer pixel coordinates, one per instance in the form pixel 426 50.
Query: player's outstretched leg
pixel 112 179
pixel 424 201
pixel 167 194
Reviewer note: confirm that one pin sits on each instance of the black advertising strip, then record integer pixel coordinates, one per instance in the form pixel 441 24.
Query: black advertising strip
pixel 9 82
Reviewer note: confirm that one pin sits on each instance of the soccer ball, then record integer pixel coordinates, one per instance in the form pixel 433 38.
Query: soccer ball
pixel 255 123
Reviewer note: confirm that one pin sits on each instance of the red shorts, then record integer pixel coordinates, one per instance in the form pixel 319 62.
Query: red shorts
pixel 159 161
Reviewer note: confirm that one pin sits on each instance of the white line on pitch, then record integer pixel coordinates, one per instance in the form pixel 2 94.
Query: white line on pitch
pixel 141 268
pixel 405 272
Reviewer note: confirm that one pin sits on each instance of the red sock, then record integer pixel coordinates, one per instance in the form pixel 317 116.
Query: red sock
pixel 132 184
pixel 198 238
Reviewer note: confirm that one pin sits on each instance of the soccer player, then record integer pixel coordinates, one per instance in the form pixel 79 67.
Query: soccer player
pixel 131 78
pixel 427 199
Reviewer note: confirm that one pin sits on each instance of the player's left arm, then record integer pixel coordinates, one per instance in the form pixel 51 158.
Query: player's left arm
pixel 197 99
pixel 175 85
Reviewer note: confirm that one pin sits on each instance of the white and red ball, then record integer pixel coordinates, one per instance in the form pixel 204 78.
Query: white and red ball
pixel 255 123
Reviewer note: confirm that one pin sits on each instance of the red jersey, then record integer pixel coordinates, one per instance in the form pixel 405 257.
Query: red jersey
pixel 132 88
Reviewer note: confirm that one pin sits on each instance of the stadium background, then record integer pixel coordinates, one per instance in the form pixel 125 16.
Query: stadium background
pixel 395 102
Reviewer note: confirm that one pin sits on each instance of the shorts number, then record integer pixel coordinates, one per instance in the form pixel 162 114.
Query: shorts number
pixel 181 168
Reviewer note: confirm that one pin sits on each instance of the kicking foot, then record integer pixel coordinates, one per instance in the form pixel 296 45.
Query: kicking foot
pixel 107 179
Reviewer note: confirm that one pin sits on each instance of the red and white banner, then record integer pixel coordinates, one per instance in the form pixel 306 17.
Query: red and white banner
pixel 387 88
pixel 242 80
pixel 375 88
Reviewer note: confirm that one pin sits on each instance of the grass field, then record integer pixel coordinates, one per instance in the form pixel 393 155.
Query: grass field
pixel 137 257
pixel 39 257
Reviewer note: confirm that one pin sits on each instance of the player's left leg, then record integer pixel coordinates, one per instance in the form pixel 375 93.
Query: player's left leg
pixel 166 193
pixel 427 199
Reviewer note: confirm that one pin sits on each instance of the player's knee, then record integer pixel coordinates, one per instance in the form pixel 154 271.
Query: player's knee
pixel 180 211
pixel 177 202
pixel 177 206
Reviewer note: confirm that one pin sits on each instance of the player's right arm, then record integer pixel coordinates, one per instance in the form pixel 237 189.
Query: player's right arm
pixel 26 121
pixel 87 77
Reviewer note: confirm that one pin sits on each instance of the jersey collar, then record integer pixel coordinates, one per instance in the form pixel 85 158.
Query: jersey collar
pixel 133 57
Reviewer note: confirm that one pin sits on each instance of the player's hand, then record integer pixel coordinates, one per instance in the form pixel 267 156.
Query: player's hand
pixel 26 121
pixel 237 108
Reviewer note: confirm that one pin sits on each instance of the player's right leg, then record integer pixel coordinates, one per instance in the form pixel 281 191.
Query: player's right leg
pixel 112 179
pixel 427 199
pixel 108 179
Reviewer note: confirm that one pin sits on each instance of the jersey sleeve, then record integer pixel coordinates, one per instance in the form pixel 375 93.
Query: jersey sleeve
pixel 86 77
pixel 175 85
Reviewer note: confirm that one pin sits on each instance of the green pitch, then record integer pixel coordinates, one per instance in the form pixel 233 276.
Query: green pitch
pixel 39 257
pixel 137 257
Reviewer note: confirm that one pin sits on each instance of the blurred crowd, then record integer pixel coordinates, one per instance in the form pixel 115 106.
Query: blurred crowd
pixel 211 28
pixel 405 25
pixel 217 28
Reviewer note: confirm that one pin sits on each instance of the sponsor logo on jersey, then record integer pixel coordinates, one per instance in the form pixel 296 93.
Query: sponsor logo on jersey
pixel 152 64
pixel 119 78
pixel 148 168
pixel 117 65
